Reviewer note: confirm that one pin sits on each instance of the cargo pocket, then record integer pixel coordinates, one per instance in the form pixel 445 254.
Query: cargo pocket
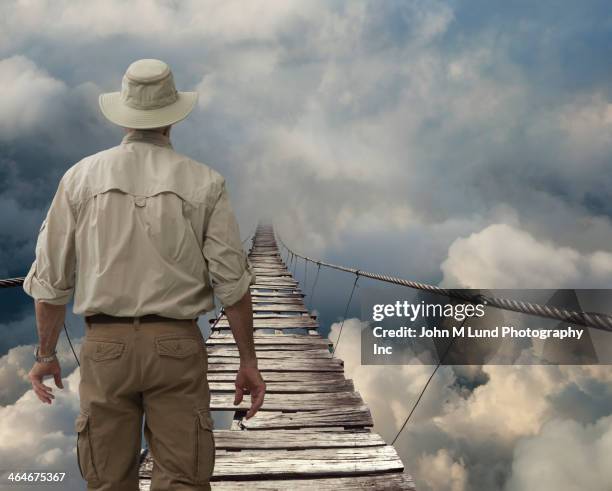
pixel 177 346
pixel 84 448
pixel 105 350
pixel 204 463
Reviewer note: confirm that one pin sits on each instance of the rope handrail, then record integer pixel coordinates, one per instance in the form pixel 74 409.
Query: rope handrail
pixel 591 319
pixel 10 282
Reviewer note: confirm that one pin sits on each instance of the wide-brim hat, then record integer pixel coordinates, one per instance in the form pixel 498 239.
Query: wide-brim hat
pixel 148 98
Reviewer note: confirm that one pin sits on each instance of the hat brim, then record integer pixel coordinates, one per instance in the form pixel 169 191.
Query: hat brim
pixel 117 112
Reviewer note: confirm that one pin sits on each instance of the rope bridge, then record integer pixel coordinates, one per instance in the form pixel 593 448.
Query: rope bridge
pixel 313 430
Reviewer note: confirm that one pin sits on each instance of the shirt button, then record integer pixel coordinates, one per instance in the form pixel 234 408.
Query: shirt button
pixel 140 201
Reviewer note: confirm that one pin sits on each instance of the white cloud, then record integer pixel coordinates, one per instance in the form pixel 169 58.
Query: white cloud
pixel 29 93
pixel 503 256
pixel 564 455
pixel 442 472
pixel 37 437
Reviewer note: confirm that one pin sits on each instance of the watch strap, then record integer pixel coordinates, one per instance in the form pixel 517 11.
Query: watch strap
pixel 45 359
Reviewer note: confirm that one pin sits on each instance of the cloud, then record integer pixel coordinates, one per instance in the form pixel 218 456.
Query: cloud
pixel 29 94
pixel 564 455
pixel 442 472
pixel 503 256
pixel 37 437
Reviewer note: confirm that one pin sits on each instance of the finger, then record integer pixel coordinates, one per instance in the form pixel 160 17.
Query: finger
pixel 238 396
pixel 58 380
pixel 44 398
pixel 37 383
pixel 44 393
pixel 257 399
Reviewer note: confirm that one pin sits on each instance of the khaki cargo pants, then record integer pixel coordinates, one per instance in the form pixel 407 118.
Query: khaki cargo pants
pixel 155 369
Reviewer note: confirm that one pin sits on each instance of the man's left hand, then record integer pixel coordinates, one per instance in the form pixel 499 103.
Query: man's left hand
pixel 38 373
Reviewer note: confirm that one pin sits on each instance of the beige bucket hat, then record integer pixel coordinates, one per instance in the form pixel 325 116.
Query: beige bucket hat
pixel 148 98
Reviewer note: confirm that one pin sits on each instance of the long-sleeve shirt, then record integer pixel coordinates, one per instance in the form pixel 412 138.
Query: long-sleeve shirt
pixel 140 229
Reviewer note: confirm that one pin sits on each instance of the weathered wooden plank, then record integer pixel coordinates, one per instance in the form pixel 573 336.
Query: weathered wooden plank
pixel 299 463
pixel 289 387
pixel 345 417
pixel 295 322
pixel 280 307
pixel 274 315
pixel 275 283
pixel 393 481
pixel 271 273
pixel 291 300
pixel 290 402
pixel 296 377
pixel 271 339
pixel 222 364
pixel 281 280
pixel 276 292
pixel 264 353
pixel 297 439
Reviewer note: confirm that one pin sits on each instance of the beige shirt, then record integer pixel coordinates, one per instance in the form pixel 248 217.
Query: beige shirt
pixel 140 229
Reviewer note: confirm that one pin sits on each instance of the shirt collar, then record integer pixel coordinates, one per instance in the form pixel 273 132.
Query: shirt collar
pixel 144 136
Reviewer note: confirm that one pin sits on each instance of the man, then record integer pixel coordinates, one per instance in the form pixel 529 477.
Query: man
pixel 142 237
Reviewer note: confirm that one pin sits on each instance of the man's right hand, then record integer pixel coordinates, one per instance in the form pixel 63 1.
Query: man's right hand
pixel 249 381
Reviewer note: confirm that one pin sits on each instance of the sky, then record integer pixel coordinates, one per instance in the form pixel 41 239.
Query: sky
pixel 466 144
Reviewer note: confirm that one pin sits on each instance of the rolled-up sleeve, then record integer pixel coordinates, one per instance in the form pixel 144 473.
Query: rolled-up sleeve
pixel 52 275
pixel 228 266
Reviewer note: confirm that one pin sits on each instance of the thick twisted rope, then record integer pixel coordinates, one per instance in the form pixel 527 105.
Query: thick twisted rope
pixel 591 319
pixel 11 282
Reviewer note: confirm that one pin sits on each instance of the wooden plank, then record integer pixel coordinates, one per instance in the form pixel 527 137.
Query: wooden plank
pixel 271 339
pixel 264 353
pixel 275 315
pixel 273 273
pixel 288 387
pixel 280 307
pixel 289 402
pixel 299 463
pixel 295 377
pixel 276 292
pixel 345 417
pixel 275 283
pixel 265 280
pixel 222 349
pixel 292 300
pixel 222 364
pixel 394 481
pixel 295 322
pixel 297 439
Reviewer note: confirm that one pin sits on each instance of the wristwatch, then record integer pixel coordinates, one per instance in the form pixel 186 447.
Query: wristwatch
pixel 45 359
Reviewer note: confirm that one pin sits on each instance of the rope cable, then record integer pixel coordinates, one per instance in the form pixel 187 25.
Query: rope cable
pixel 71 347
pixel 345 313
pixel 314 284
pixel 424 389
